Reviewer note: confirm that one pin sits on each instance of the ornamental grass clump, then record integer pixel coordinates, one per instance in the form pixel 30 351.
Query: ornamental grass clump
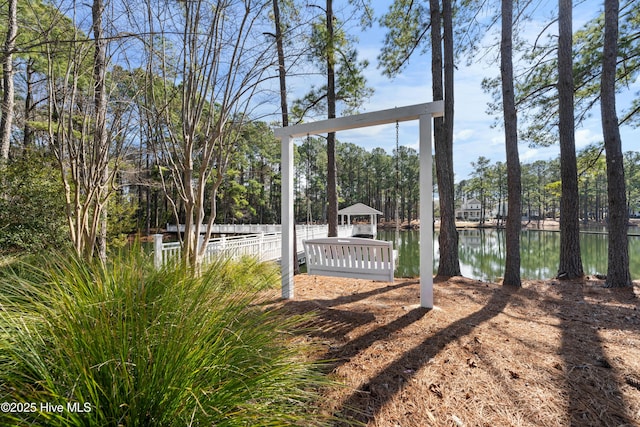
pixel 122 344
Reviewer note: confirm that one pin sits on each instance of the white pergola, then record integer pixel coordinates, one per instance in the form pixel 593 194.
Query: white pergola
pixel 359 209
pixel 424 113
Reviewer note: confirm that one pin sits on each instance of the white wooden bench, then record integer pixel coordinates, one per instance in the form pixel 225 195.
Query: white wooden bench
pixel 351 257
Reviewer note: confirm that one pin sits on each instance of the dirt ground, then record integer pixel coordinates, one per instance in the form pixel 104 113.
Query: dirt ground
pixel 549 354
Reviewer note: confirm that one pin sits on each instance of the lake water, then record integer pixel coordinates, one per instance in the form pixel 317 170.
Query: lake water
pixel 482 253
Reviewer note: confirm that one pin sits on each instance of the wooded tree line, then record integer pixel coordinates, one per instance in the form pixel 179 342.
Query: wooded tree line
pixel 152 112
pixel 541 187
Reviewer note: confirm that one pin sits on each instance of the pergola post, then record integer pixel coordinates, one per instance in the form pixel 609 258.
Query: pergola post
pixel 288 220
pixel 422 112
pixel 426 213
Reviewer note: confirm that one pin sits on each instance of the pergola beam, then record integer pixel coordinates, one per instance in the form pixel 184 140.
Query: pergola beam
pixel 374 118
pixel 422 112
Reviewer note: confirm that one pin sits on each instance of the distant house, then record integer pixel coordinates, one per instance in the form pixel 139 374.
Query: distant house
pixel 499 210
pixel 470 210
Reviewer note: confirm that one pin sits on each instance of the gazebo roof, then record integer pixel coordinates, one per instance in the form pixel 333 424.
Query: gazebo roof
pixel 359 209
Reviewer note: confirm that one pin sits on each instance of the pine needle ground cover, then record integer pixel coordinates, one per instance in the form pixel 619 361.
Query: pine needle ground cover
pixel 123 344
pixel 553 353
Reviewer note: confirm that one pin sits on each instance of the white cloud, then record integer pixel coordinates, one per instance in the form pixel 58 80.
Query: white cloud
pixel 463 135
pixel 530 155
pixel 584 137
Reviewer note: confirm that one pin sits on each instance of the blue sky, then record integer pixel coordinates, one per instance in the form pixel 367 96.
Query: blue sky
pixel 473 134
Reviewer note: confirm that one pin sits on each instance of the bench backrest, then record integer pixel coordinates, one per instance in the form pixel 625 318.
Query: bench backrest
pixel 350 257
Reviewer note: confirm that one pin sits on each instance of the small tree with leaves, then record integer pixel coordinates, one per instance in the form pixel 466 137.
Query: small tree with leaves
pixel 200 97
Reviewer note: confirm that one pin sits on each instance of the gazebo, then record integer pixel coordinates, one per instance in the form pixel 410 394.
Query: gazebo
pixel 424 114
pixel 360 209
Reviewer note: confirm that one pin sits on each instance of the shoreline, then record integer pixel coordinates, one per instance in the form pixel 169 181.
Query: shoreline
pixel 539 225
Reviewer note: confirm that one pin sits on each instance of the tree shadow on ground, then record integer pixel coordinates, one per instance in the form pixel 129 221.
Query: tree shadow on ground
pixel 365 402
pixel 592 380
pixel 589 385
pixel 331 322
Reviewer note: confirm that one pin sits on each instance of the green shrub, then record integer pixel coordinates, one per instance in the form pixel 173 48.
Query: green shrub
pixel 32 216
pixel 149 348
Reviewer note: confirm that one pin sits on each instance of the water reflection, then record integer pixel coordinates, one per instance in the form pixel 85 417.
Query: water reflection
pixel 482 253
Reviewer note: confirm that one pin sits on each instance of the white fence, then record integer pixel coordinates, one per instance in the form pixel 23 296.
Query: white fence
pixel 231 228
pixel 264 246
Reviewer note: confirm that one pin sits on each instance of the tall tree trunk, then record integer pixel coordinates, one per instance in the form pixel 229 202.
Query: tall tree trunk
pixel 332 174
pixel 147 191
pixel 284 107
pixel 570 261
pixel 514 186
pixel 618 261
pixel 7 79
pixel 449 264
pixel 282 71
pixel 29 138
pixel 100 136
